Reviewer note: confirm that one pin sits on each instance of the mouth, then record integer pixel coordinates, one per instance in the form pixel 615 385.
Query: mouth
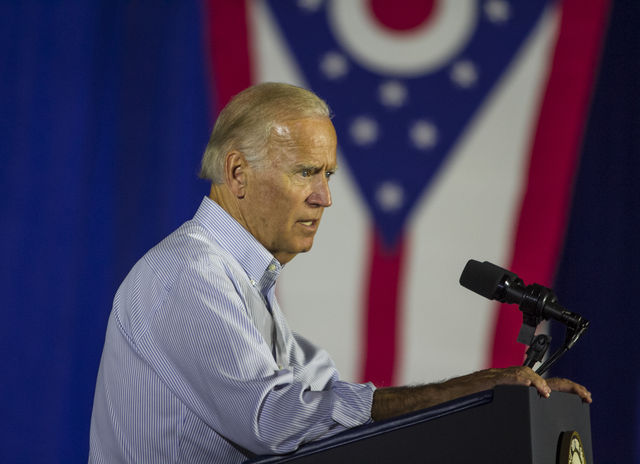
pixel 310 223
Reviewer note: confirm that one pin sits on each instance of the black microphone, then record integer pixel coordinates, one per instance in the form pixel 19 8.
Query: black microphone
pixel 536 302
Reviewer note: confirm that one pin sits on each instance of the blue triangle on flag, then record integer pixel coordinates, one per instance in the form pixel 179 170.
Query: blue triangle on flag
pixel 400 110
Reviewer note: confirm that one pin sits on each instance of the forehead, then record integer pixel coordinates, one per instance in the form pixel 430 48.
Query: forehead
pixel 305 140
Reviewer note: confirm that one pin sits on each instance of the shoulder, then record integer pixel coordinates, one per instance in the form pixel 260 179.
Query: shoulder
pixel 191 249
pixel 187 273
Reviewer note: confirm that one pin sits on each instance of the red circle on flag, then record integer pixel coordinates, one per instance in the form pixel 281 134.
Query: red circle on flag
pixel 402 16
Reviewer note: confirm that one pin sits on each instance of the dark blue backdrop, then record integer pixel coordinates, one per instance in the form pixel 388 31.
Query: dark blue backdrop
pixel 599 273
pixel 104 113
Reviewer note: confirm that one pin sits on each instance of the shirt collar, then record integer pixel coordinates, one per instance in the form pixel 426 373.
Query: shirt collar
pixel 260 265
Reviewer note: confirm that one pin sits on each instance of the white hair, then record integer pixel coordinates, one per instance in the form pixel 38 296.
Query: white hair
pixel 247 123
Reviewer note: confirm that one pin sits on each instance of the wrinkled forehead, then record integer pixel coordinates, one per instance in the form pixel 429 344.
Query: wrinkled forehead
pixel 303 130
pixel 309 136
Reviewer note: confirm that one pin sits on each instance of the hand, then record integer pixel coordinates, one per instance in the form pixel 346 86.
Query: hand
pixel 520 375
pixel 516 375
pixel 567 386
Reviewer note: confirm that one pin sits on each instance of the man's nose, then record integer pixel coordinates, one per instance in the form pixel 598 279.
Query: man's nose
pixel 321 194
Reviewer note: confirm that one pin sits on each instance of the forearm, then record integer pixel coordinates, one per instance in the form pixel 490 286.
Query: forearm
pixel 394 401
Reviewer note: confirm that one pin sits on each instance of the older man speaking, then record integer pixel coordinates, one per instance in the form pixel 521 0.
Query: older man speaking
pixel 199 364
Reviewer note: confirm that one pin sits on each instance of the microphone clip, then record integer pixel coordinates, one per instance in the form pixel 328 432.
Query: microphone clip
pixel 539 303
pixel 536 302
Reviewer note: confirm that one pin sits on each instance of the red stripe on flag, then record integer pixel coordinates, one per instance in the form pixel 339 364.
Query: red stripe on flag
pixel 382 310
pixel 227 48
pixel 554 156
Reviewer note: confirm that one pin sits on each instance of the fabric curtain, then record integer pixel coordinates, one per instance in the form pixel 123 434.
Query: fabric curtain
pixel 104 116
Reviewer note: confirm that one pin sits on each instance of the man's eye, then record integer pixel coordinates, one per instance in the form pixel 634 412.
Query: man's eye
pixel 305 172
pixel 328 174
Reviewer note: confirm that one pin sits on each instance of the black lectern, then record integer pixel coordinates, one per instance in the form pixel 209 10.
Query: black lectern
pixel 510 424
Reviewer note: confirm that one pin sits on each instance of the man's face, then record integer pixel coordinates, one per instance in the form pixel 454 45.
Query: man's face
pixel 285 197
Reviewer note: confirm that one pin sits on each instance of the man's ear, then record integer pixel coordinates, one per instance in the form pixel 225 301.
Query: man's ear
pixel 235 171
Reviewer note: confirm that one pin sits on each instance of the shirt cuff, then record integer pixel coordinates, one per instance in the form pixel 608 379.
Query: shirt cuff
pixel 353 402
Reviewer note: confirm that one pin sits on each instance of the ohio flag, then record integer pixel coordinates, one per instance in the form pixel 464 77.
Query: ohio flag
pixel 458 129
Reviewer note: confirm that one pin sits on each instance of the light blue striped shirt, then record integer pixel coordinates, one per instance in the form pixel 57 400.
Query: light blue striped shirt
pixel 199 364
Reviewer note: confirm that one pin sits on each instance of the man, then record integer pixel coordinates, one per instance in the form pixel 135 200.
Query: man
pixel 199 364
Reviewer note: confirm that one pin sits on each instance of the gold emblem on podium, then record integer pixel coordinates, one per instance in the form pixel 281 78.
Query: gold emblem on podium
pixel 571 450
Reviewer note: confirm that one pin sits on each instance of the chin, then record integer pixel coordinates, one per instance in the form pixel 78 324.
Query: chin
pixel 303 245
pixel 307 246
pixel 302 248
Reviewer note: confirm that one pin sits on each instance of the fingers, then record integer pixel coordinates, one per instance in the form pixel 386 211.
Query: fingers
pixel 520 375
pixel 541 385
pixel 567 386
pixel 534 380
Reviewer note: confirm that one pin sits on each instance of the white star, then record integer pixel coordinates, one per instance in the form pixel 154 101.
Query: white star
pixel 390 196
pixel 334 65
pixel 392 94
pixel 310 5
pixel 364 130
pixel 423 134
pixel 498 11
pixel 464 74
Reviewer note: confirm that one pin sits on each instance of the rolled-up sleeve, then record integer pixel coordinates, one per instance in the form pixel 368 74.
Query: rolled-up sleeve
pixel 204 346
pixel 353 403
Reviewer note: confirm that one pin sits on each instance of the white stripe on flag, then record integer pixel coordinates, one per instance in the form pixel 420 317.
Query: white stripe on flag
pixel 471 212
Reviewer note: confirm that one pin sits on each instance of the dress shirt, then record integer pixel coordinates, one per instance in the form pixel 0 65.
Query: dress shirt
pixel 199 364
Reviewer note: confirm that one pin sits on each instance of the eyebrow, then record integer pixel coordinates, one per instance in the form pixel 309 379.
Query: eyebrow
pixel 315 168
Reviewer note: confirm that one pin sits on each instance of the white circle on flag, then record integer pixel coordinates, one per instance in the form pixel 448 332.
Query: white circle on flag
pixel 420 51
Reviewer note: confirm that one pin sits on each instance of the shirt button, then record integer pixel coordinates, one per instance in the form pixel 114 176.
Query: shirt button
pixel 253 282
pixel 272 267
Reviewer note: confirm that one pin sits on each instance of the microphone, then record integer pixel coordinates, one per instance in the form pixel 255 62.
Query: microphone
pixel 536 302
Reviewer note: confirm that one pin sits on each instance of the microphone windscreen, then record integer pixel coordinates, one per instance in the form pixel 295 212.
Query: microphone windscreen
pixel 483 278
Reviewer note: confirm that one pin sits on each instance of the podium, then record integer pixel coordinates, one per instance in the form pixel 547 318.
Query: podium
pixel 509 424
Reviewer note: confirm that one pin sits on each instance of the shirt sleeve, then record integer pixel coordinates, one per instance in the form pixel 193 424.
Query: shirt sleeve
pixel 314 367
pixel 203 345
